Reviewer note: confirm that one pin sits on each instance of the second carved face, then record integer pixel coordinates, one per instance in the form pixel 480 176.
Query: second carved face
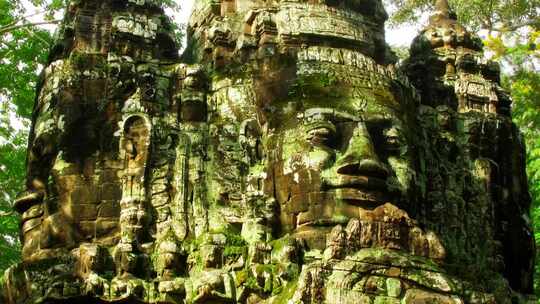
pixel 337 151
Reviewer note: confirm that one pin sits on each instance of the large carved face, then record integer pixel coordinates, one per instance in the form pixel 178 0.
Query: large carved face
pixel 340 150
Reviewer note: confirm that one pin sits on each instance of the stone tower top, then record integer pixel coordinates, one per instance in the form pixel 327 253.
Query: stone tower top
pixel 442 7
pixel 458 54
pixel 230 27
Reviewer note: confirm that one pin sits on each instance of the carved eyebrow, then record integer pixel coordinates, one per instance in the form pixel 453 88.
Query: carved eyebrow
pixel 341 116
pixel 325 112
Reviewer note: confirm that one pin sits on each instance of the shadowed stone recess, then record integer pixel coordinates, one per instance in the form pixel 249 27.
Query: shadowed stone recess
pixel 283 158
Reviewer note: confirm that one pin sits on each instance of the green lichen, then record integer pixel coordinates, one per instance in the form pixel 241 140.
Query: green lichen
pixel 285 293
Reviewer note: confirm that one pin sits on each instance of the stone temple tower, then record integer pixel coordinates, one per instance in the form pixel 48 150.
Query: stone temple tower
pixel 282 158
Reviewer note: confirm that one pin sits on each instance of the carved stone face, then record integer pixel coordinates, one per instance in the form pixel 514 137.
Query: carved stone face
pixel 339 154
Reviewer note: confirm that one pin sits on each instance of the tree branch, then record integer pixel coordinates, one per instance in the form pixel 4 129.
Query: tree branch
pixel 34 34
pixel 8 29
pixel 9 213
pixel 14 22
pixel 514 27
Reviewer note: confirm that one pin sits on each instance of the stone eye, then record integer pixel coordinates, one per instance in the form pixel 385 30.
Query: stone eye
pixel 321 135
pixel 391 139
pixel 385 136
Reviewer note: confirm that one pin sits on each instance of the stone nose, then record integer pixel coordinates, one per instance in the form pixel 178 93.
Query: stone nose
pixel 360 157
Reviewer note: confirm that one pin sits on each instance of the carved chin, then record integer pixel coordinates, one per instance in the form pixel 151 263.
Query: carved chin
pixel 331 207
pixel 312 215
pixel 362 198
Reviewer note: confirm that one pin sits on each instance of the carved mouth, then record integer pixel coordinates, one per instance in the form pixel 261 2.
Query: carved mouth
pixel 323 223
pixel 362 190
pixel 354 204
pixel 365 183
pixel 356 193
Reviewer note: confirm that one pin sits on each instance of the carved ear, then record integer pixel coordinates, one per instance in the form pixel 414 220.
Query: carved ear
pixel 57 232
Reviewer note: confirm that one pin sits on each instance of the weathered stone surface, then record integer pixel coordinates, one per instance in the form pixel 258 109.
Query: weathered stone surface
pixel 283 158
pixel 394 287
pixel 386 300
pixel 417 296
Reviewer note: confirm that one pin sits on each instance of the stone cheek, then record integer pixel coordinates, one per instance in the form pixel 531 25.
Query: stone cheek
pixel 287 162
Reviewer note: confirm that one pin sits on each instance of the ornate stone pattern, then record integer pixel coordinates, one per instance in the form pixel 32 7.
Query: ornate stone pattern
pixel 284 158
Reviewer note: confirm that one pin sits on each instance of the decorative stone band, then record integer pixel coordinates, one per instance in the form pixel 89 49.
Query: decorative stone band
pixel 289 25
pixel 149 3
pixel 137 24
pixel 377 73
pixel 297 21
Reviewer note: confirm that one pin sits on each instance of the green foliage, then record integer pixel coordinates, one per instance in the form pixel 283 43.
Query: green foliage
pixel 22 53
pixel 495 15
pixel 12 156
pixel 511 28
pixel 401 52
pixel 525 87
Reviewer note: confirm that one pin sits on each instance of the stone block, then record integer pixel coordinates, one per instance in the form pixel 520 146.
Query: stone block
pixel 84 194
pixel 111 191
pixel 375 285
pixel 109 209
pixel 347 297
pixel 85 212
pixel 106 227
pixel 87 229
